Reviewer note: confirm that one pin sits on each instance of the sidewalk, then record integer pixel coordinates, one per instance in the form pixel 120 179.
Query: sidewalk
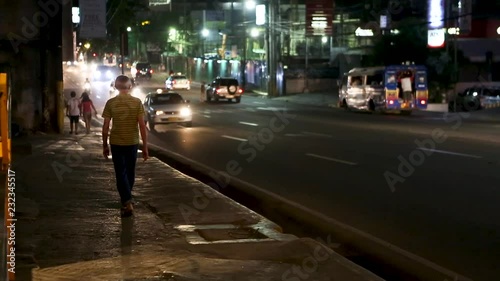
pixel 69 227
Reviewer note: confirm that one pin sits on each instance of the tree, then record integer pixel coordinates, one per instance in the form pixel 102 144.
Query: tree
pixel 409 44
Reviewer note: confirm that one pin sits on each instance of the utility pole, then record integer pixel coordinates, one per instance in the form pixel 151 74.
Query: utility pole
pixel 272 49
pixel 123 46
pixel 244 60
pixel 52 73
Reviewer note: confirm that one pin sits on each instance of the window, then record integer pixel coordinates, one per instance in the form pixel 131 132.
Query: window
pixel 356 81
pixel 375 80
pixel 179 77
pixel 167 99
pixel 228 82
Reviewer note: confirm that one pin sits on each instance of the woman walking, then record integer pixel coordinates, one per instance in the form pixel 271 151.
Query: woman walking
pixel 86 109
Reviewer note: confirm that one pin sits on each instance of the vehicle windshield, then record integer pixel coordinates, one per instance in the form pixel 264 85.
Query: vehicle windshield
pixel 167 99
pixel 228 82
pixel 104 68
pixel 178 77
pixel 142 66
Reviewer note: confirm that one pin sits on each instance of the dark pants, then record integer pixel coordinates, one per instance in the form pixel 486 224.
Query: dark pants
pixel 74 119
pixel 124 159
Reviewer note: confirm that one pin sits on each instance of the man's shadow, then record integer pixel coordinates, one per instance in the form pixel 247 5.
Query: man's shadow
pixel 126 235
pixel 126 238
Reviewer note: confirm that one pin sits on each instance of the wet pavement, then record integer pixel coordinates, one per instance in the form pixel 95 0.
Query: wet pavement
pixel 69 226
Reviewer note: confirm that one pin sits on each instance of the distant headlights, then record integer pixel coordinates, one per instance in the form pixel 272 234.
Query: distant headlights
pixel 185 111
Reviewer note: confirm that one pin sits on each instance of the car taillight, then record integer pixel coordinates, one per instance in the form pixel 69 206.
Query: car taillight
pixel 240 91
pixel 422 102
pixel 151 71
pixel 217 90
pixel 173 82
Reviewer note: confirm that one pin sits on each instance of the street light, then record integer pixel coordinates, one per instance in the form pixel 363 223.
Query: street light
pixel 254 32
pixel 204 34
pixel 250 4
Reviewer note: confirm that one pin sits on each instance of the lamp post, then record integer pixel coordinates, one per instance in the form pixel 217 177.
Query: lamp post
pixel 204 33
pixel 249 5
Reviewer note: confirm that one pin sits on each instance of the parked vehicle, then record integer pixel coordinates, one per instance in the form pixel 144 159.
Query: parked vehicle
pixel 224 88
pixel 476 98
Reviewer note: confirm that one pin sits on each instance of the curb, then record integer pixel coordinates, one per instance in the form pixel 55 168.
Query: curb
pixel 366 243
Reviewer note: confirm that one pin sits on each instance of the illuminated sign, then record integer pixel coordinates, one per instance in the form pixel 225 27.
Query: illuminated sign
pixel 260 14
pixel 436 38
pixel 75 14
pixel 319 17
pixel 159 2
pixel 363 32
pixel 435 16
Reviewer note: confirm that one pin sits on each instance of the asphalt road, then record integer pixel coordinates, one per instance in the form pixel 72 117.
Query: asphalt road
pixel 425 183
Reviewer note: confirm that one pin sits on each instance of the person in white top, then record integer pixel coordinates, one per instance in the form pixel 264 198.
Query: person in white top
pixel 73 112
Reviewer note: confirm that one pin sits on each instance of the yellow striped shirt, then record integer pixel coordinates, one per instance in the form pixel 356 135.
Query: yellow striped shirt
pixel 124 111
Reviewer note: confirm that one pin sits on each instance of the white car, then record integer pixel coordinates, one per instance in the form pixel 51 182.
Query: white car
pixel 176 82
pixel 167 108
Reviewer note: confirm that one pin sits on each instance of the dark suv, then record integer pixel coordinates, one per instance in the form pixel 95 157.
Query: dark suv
pixel 224 88
pixel 142 70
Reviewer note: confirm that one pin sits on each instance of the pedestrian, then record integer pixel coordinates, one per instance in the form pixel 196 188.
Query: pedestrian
pixel 202 91
pixel 73 112
pixel 127 114
pixel 87 106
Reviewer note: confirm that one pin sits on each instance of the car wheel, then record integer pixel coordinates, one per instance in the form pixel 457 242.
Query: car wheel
pixel 189 124
pixel 151 124
pixel 237 99
pixel 209 98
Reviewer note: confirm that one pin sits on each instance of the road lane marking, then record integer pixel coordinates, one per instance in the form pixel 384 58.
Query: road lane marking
pixel 233 138
pixel 206 116
pixel 294 135
pixel 249 124
pixel 259 102
pixel 331 159
pixel 317 134
pixel 271 108
pixel 450 152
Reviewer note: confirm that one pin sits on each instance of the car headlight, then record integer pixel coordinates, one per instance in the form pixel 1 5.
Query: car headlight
pixel 185 111
pixel 159 112
pixel 136 92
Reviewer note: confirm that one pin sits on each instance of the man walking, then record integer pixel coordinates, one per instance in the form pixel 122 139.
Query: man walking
pixel 127 114
pixel 73 112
